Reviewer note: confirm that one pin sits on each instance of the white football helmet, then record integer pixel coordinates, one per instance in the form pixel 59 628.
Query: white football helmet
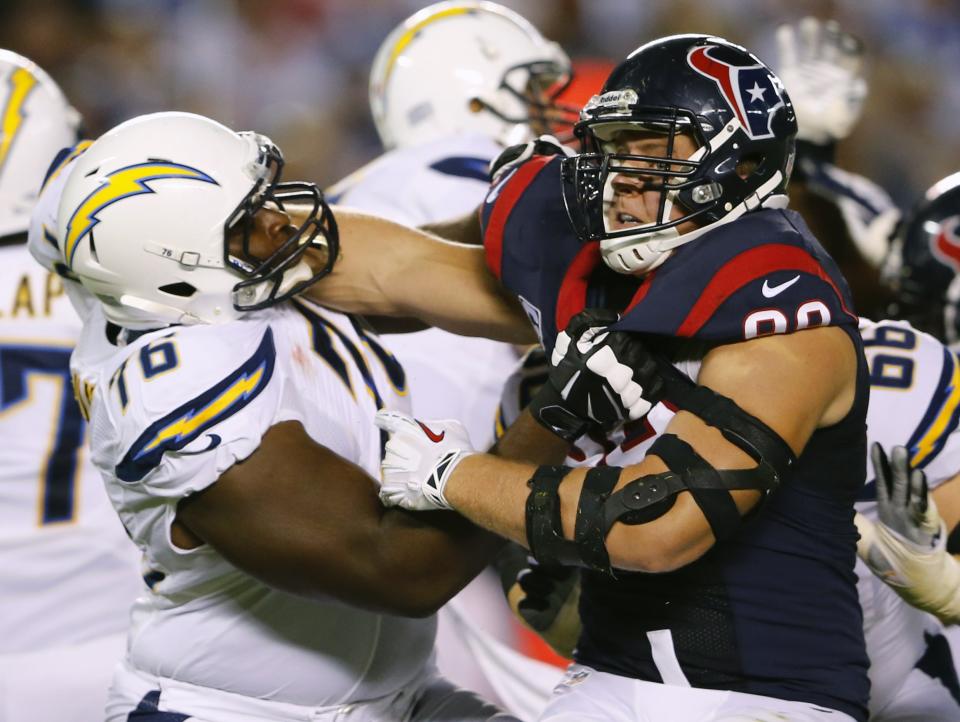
pixel 36 122
pixel 465 66
pixel 146 211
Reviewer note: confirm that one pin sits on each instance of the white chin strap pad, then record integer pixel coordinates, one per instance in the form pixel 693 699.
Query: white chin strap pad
pixel 642 252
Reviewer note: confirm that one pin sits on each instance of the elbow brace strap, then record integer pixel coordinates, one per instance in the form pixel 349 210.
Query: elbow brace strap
pixel 743 430
pixel 649 497
pixel 545 526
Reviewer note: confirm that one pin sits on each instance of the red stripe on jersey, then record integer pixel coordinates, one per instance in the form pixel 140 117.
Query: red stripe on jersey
pixel 572 296
pixel 503 204
pixel 641 292
pixel 746 267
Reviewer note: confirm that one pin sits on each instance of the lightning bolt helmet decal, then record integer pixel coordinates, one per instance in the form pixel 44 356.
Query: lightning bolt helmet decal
pixel 22 82
pixel 122 183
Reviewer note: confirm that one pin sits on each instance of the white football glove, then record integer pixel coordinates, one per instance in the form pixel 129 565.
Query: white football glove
pixel 822 69
pixel 419 458
pixel 907 547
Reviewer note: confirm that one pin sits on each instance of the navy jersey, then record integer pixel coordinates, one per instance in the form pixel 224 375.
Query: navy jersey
pixel 774 610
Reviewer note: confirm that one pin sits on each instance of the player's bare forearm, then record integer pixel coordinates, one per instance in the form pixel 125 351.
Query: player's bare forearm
pixel 427 557
pixel 492 493
pixel 312 524
pixel 386 269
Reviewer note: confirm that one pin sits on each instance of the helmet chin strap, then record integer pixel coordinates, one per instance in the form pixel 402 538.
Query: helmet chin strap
pixel 156 315
pixel 250 295
pixel 640 253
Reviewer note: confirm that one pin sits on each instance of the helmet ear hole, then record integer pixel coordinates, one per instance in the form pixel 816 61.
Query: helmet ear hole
pixel 750 164
pixel 181 289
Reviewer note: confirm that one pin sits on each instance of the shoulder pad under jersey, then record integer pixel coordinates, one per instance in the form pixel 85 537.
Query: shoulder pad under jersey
pixel 524 221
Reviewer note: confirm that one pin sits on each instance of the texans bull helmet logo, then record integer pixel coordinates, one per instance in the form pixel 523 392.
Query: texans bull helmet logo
pixel 751 91
pixel 946 243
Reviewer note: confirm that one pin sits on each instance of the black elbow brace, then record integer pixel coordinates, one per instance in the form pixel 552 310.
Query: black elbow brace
pixel 650 497
pixel 545 527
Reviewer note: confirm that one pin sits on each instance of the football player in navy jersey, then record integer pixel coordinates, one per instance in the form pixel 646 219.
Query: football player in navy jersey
pixel 677 225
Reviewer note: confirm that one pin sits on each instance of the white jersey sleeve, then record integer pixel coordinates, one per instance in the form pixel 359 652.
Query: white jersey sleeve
pixel 424 183
pixel 914 397
pixel 168 413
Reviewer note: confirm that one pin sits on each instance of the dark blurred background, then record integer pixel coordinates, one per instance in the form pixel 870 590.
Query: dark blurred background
pixel 297 69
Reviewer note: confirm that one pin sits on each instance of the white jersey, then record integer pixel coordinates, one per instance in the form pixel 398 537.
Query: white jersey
pixel 419 184
pixel 68 574
pixel 450 376
pixel 914 402
pixel 175 408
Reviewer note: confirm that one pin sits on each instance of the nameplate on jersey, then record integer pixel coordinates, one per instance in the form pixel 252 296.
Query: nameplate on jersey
pixel 188 422
pixel 533 313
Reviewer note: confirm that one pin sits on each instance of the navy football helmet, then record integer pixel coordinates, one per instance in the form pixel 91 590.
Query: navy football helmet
pixel 726 100
pixel 923 265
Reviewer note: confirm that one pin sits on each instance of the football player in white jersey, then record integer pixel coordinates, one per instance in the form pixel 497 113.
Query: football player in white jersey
pixel 234 432
pixel 68 574
pixel 450 87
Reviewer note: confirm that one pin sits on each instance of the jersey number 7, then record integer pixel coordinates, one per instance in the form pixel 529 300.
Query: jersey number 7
pixel 23 368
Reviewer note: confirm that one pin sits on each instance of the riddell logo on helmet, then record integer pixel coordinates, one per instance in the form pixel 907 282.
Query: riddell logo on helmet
pixel 620 99
pixel 946 244
pixel 751 91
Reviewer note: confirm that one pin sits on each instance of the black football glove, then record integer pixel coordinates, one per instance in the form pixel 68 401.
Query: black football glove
pixel 548 596
pixel 599 379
